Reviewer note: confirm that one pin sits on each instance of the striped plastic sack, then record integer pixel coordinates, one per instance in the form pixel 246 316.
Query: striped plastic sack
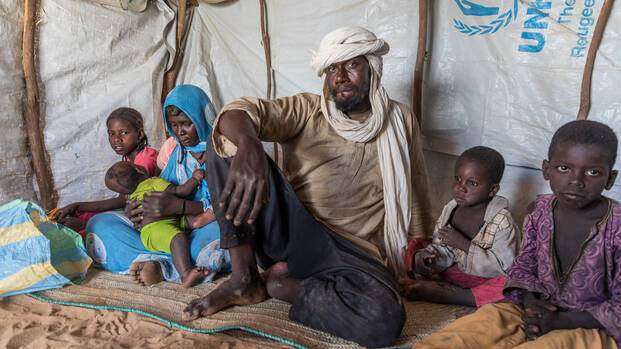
pixel 36 253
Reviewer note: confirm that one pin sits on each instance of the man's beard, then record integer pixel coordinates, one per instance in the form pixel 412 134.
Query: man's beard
pixel 347 104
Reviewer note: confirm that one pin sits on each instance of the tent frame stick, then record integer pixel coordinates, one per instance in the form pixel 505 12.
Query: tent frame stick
pixel 417 102
pixel 180 40
pixel 40 158
pixel 585 89
pixel 265 42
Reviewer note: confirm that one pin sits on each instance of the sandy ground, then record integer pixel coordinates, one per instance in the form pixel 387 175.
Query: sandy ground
pixel 29 323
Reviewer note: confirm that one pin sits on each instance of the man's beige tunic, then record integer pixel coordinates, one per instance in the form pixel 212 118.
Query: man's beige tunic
pixel 339 181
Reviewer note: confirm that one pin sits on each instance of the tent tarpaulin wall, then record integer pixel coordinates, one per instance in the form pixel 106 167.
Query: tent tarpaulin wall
pixel 94 59
pixel 510 89
pixel 16 180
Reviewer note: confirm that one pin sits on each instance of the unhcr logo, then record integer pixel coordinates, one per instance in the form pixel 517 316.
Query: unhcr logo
pixel 479 19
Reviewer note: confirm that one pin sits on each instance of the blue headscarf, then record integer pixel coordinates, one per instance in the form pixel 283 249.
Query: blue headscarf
pixel 194 103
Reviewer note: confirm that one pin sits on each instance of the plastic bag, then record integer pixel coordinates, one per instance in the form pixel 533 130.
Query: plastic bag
pixel 36 253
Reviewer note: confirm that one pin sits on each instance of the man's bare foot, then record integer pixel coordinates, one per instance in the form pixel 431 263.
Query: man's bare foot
pixel 192 276
pixel 146 273
pixel 239 291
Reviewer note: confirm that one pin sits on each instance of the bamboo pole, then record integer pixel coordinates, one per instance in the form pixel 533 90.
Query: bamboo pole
pixel 45 180
pixel 265 41
pixel 585 89
pixel 171 75
pixel 417 103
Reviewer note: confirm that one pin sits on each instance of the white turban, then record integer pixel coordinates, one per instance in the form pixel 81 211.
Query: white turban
pixel 386 120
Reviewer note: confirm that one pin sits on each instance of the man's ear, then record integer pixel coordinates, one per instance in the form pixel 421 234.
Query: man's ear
pixel 545 169
pixel 494 190
pixel 611 179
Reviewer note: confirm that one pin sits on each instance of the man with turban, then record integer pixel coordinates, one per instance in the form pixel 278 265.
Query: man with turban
pixel 332 227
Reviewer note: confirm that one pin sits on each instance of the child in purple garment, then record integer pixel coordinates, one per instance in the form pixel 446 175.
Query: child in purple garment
pixel 564 288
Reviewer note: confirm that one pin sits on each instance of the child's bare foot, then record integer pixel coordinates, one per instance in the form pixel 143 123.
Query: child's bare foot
pixel 192 276
pixel 200 220
pixel 146 273
pixel 239 291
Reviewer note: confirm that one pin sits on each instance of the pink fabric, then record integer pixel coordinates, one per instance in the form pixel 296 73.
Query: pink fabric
pixel 484 290
pixel 147 158
pixel 165 152
pixel 88 215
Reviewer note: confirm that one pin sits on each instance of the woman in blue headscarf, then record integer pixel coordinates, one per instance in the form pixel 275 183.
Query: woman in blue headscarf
pixel 111 239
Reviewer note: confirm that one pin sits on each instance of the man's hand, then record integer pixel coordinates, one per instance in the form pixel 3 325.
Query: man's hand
pixel 424 263
pixel 451 237
pixel 245 190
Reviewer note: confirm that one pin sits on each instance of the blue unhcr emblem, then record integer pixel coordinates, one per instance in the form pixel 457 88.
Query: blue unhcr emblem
pixel 502 17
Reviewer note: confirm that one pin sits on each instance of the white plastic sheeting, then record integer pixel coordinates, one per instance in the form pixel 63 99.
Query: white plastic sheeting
pixel 226 40
pixel 509 82
pixel 15 169
pixel 92 60
pixel 506 86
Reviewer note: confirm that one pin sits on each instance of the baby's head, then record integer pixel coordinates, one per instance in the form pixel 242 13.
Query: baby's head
pixel 478 172
pixel 123 177
pixel 580 162
pixel 126 131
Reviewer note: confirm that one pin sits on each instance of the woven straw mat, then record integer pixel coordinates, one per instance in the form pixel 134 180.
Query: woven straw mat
pixel 167 300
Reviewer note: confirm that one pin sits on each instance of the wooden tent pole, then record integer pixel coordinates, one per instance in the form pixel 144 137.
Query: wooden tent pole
pixel 585 89
pixel 171 75
pixel 42 169
pixel 417 103
pixel 265 41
